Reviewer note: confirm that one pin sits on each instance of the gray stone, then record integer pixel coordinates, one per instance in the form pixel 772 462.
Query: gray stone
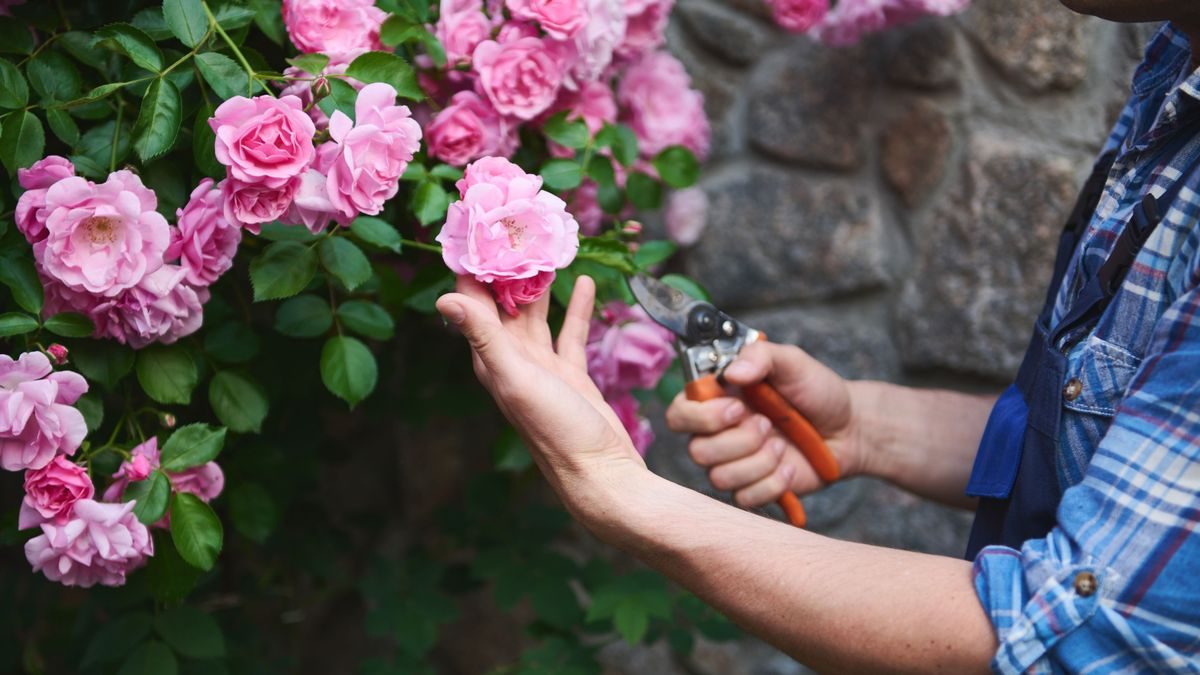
pixel 1038 47
pixel 983 260
pixel 725 33
pixel 923 55
pixel 757 8
pixel 776 236
pixel 718 82
pixel 808 103
pixel 914 151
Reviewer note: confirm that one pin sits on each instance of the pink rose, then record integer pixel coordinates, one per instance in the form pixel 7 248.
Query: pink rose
pixel 101 543
pixel 31 212
pixel 7 5
pixel 37 420
pixel 460 32
pixel 847 22
pixel 468 129
pixel 798 16
pixel 374 151
pixel 512 292
pixel 162 308
pixel 638 427
pixel 138 468
pixel 686 215
pixel 561 19
pixel 583 205
pixel 333 27
pixel 645 27
pixel 263 137
pixel 593 103
pixel 58 354
pixel 521 78
pixel 101 239
pixel 506 227
pixel 595 45
pixel 252 204
pixel 205 481
pixel 311 206
pixel 51 492
pixel 204 241
pixel 661 106
pixel 627 350
pixel 514 30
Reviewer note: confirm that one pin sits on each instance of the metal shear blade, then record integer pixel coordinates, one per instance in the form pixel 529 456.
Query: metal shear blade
pixel 668 306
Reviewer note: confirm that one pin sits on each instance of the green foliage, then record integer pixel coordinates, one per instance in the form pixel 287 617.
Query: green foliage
pixel 192 445
pixel 191 633
pixel 196 531
pixel 282 270
pixel 152 495
pixel 167 373
pixel 69 324
pixel 388 68
pixel 348 369
pixel 238 401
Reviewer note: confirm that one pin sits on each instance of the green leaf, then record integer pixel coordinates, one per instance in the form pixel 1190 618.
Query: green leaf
pixel 313 64
pixel 631 622
pixel 191 632
pixel 152 495
pixel 22 140
pixel 611 199
pixel 282 270
pixel 570 133
pixel 17 272
pixel 203 145
pixel 238 401
pixel 232 342
pixel 97 93
pixel 132 42
pixel 686 285
pixel 269 19
pixel 70 324
pixel 152 658
pixel 80 45
pixel 377 232
pixel 277 231
pixel 97 144
pixel 348 369
pixel 63 125
pixel 607 252
pixel 653 252
pixel 196 531
pixel 397 30
pixel 561 174
pixel 345 261
pixel 303 316
pixel 91 405
pixel 677 166
pixel 116 638
pixel 15 323
pixel 622 140
pixel 167 373
pixel 415 173
pixel 252 511
pixel 600 169
pixel 231 16
pixel 168 575
pixel 644 192
pixel 14 93
pixel 389 68
pixel 15 36
pixel 446 172
pixel 367 318
pixel 192 445
pixel 186 19
pixel 158 120
pixel 150 21
pixel 509 453
pixel 223 74
pixel 54 76
pixel 430 202
pixel 103 361
pixel 341 97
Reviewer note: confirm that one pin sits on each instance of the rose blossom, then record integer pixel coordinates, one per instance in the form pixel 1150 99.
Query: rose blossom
pixel 798 16
pixel 30 214
pixel 514 30
pixel 561 19
pixel 848 21
pixel 686 214
pixel 252 204
pixel 58 354
pixel 460 32
pixel 645 27
pixel 374 151
pixel 661 106
pixel 593 103
pixel 469 128
pixel 595 44
pixel 627 350
pixel 506 227
pixel 583 205
pixel 638 427
pixel 521 78
pixel 512 292
pixel 101 543
pixel 311 206
pixel 263 137
pixel 340 27
pixel 101 239
pixel 204 240
pixel 205 481
pixel 51 492
pixel 37 420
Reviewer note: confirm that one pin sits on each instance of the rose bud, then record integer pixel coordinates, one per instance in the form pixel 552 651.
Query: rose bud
pixel 167 420
pixel 57 353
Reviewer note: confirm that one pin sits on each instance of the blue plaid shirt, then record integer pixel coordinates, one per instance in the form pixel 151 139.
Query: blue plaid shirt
pixel 1129 449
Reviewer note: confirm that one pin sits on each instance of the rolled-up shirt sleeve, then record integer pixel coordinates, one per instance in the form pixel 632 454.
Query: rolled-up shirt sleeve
pixel 1115 586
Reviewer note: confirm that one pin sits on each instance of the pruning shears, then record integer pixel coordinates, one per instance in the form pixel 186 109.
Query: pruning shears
pixel 708 340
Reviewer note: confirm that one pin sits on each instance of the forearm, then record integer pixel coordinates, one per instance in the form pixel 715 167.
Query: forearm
pixel 923 440
pixel 835 606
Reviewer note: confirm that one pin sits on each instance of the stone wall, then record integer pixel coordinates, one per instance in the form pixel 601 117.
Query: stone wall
pixel 893 209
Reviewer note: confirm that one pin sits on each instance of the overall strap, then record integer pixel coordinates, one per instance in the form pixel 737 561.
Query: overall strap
pixel 1077 222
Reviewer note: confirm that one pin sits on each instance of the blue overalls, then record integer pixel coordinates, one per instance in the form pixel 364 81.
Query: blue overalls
pixel 1014 474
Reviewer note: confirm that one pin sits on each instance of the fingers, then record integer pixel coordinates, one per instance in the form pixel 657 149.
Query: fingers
pixel 766 490
pixel 731 444
pixel 747 471
pixel 572 337
pixel 754 364
pixel 480 323
pixel 704 417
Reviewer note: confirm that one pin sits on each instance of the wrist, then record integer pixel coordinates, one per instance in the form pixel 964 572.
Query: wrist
pixel 612 500
pixel 878 428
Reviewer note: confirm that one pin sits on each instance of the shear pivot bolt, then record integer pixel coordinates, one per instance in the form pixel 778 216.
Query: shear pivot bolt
pixel 727 327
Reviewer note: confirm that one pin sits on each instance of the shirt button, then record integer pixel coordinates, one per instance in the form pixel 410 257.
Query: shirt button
pixel 1073 389
pixel 1085 584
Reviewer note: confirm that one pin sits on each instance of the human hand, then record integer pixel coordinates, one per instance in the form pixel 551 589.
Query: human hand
pixel 742 450
pixel 544 389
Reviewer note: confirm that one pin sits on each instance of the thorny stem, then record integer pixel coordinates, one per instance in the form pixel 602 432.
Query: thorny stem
pixel 432 248
pixel 251 75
